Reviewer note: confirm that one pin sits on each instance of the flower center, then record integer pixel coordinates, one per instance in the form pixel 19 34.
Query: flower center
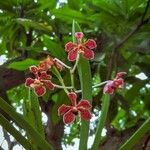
pixel 36 83
pixel 75 110
pixel 80 48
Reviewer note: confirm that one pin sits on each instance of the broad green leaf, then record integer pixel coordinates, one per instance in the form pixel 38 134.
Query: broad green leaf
pixel 35 25
pixel 106 7
pixel 23 65
pixel 54 48
pixel 47 4
pixel 74 4
pixel 67 14
pixel 132 93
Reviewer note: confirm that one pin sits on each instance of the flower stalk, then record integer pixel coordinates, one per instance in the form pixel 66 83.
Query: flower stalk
pixel 58 75
pixel 62 63
pixel 63 87
pixel 94 86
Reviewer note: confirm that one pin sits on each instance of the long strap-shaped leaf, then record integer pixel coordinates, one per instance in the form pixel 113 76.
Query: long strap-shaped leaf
pixel 101 123
pixel 136 136
pixel 16 134
pixel 86 86
pixel 37 113
pixel 39 141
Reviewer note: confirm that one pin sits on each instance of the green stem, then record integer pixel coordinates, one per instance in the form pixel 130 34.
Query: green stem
pixel 58 75
pixel 73 70
pixel 77 60
pixel 72 79
pixel 136 136
pixel 76 63
pixel 102 120
pixel 62 63
pixel 62 87
pixel 94 86
pixel 16 134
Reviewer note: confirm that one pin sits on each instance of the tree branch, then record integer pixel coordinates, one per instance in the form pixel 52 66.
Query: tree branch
pixel 145 12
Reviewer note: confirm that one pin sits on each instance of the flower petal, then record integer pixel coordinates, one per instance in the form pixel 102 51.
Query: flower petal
pixel 79 36
pixel 43 75
pixel 29 81
pixel 48 84
pixel 84 104
pixel 40 90
pixel 91 44
pixel 34 69
pixel 88 54
pixel 85 114
pixel 109 87
pixel 72 96
pixel 45 65
pixel 69 46
pixel 58 65
pixel 118 83
pixel 72 55
pixel 120 74
pixel 63 109
pixel 69 117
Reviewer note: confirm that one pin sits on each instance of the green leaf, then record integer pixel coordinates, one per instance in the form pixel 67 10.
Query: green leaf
pixel 102 120
pixel 74 4
pixel 136 136
pixel 67 14
pixel 28 113
pixel 23 65
pixel 47 4
pixel 85 75
pixel 132 93
pixel 61 98
pixel 35 107
pixel 54 48
pixel 106 7
pixel 39 26
pixel 18 118
pixel 86 87
pixel 15 133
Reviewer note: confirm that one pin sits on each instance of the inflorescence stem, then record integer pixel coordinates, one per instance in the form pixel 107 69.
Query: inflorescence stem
pixel 62 63
pixel 62 87
pixel 76 63
pixel 79 91
pixel 94 86
pixel 73 70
